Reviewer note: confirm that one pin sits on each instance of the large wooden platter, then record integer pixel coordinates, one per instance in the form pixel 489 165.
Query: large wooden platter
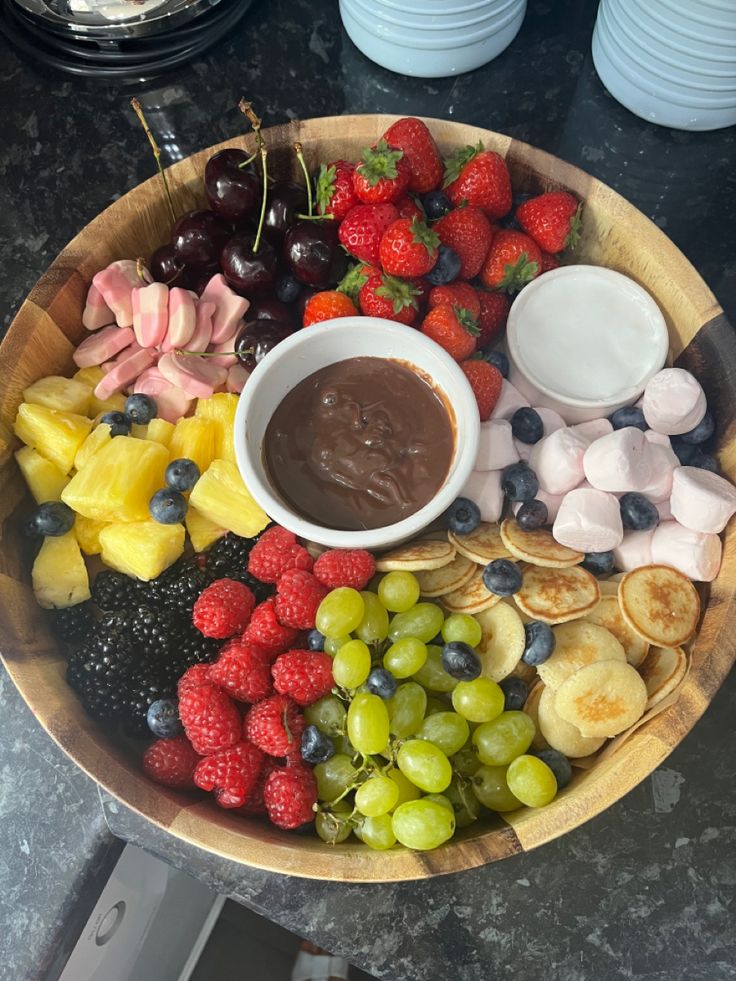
pixel 41 341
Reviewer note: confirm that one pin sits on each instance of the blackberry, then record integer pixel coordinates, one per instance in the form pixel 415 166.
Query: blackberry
pixel 108 653
pixel 153 633
pixel 71 622
pixel 178 588
pixel 228 557
pixel 192 648
pixel 98 692
pixel 143 689
pixel 115 591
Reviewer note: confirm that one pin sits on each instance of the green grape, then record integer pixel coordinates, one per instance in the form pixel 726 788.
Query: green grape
pixel 333 825
pixel 432 675
pixel 398 591
pixel 405 657
pixel 502 740
pixel 463 800
pixel 461 626
pixel 465 761
pixel 490 787
pixel 441 800
pixel 479 700
pixel 340 612
pixel 378 832
pixel 407 790
pixel 406 709
pixel 342 745
pixel 333 644
pixel 423 621
pixel 378 795
pixel 423 824
pixel 335 776
pixel 448 730
pixel 436 704
pixel 368 723
pixel 424 764
pixel 373 628
pixel 328 714
pixel 532 781
pixel 352 664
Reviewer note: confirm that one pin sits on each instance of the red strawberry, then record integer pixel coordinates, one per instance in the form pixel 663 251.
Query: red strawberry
pixel 408 248
pixel 457 295
pixel 361 229
pixel 468 232
pixel 549 262
pixel 382 175
pixel 552 220
pixel 328 305
pixel 452 328
pixel 486 382
pixel 408 208
pixel 335 194
pixel 479 177
pixel 513 261
pixel 355 279
pixel 390 298
pixel 412 136
pixel 494 312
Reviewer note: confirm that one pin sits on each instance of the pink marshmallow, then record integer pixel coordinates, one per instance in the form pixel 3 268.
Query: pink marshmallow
pixel 593 429
pixel 102 346
pixel 620 461
pixel 150 313
pixel 116 284
pixel 695 554
pixel 509 401
pixel 557 460
pixel 229 307
pixel 182 314
pixel 124 373
pixel 171 402
pixel 96 312
pixel 195 375
pixel 702 501
pixel 634 550
pixel 496 448
pixel 484 487
pixel 200 339
pixel 588 521
pixel 673 402
pixel 237 376
pixel 665 443
pixel 125 353
pixel 552 502
pixel 659 486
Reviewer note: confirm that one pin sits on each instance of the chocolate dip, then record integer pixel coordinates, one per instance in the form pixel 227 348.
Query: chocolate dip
pixel 362 443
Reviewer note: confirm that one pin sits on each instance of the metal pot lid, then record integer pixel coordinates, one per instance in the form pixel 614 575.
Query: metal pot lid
pixel 113 18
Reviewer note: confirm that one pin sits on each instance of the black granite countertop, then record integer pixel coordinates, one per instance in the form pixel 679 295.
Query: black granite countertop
pixel 644 890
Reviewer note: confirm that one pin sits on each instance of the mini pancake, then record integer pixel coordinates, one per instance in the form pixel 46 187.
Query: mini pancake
pixel 662 671
pixel 602 699
pixel 537 547
pixel 525 671
pixel 608 614
pixel 417 556
pixel 510 601
pixel 608 587
pixel 616 577
pixel 502 642
pixel 454 575
pixel 557 595
pixel 561 735
pixel 660 604
pixel 531 707
pixel 482 545
pixel 577 644
pixel 473 597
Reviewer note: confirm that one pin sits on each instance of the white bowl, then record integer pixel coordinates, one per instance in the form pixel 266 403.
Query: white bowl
pixel 312 348
pixel 582 330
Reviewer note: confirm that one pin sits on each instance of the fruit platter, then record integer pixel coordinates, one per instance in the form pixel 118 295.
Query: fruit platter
pixel 367 498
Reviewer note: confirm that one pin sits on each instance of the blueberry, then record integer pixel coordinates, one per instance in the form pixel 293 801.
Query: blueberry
pixel 316 746
pixel 163 718
pixel 519 482
pixel 446 268
pixel 52 519
pixel 140 409
pixel 706 462
pixel 539 642
pixel 502 577
pixel 703 431
pixel 627 416
pixel 599 563
pixel 516 692
pixel 499 360
pixel 527 425
pixel 532 515
pixel 558 764
pixel 181 475
pixel 168 507
pixel 690 455
pixel 382 683
pixel 637 513
pixel 315 640
pixel 460 661
pixel 462 516
pixel 288 288
pixel 118 422
pixel 436 204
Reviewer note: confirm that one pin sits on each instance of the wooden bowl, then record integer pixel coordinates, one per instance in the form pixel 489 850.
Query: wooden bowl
pixel 40 342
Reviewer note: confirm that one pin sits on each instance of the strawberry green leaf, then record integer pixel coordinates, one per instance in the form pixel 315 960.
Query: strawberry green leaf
pixel 379 163
pixel 576 226
pixel 325 187
pixel 422 234
pixel 467 320
pixel 455 163
pixel 519 274
pixel 399 292
pixel 353 281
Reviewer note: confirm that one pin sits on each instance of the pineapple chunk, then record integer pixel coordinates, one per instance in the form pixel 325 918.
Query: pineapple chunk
pixel 94 442
pixel 160 431
pixel 54 434
pixel 141 548
pixel 222 497
pixel 59 574
pixel 194 439
pixel 118 481
pixel 88 534
pixel 45 480
pixel 221 409
pixel 140 432
pixel 56 392
pixel 201 530
pixel 90 377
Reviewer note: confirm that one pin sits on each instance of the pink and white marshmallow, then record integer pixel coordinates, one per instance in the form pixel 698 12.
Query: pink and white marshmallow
pixel 194 374
pixel 124 373
pixel 172 402
pixel 589 520
pixel 96 312
pixel 701 500
pixel 150 314
pixel 496 448
pixel 673 402
pixel 116 284
pixel 182 315
pixel 620 461
pixel 237 376
pixel 509 401
pixel 696 554
pixel 634 550
pixel 557 460
pixel 200 339
pixel 229 307
pixel 484 487
pixel 102 346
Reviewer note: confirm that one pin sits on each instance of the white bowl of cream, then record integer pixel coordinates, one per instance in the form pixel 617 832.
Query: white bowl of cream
pixel 584 341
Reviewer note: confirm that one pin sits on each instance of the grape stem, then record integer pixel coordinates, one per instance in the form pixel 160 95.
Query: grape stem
pixel 303 165
pixel 264 154
pixel 138 110
pixel 247 109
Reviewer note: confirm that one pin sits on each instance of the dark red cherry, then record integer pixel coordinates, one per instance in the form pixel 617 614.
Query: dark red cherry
pixel 165 267
pixel 285 201
pixel 247 272
pixel 257 338
pixel 233 191
pixel 198 238
pixel 271 310
pixel 306 294
pixel 313 253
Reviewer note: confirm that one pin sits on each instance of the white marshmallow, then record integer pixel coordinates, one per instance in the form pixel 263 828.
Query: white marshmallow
pixel 589 521
pixel 593 429
pixel 634 550
pixel 509 401
pixel 557 460
pixel 663 510
pixel 484 487
pixel 694 554
pixel 702 501
pixel 659 486
pixel 551 420
pixel 673 402
pixel 553 502
pixel 496 448
pixel 524 450
pixel 620 461
pixel 665 442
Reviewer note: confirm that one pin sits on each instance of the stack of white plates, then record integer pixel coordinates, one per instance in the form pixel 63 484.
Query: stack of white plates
pixel 432 38
pixel 672 62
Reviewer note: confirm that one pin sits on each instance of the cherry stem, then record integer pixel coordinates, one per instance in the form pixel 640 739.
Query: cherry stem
pixel 247 109
pixel 140 270
pixel 316 217
pixel 212 354
pixel 303 165
pixel 138 110
pixel 264 154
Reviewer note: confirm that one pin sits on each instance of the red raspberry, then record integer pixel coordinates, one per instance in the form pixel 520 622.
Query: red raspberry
pixel 210 718
pixel 305 675
pixel 243 671
pixel 275 725
pixel 232 773
pixel 345 567
pixel 171 762
pixel 265 630
pixel 276 551
pixel 255 803
pixel 198 674
pixel 223 608
pixel 290 795
pixel 298 594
